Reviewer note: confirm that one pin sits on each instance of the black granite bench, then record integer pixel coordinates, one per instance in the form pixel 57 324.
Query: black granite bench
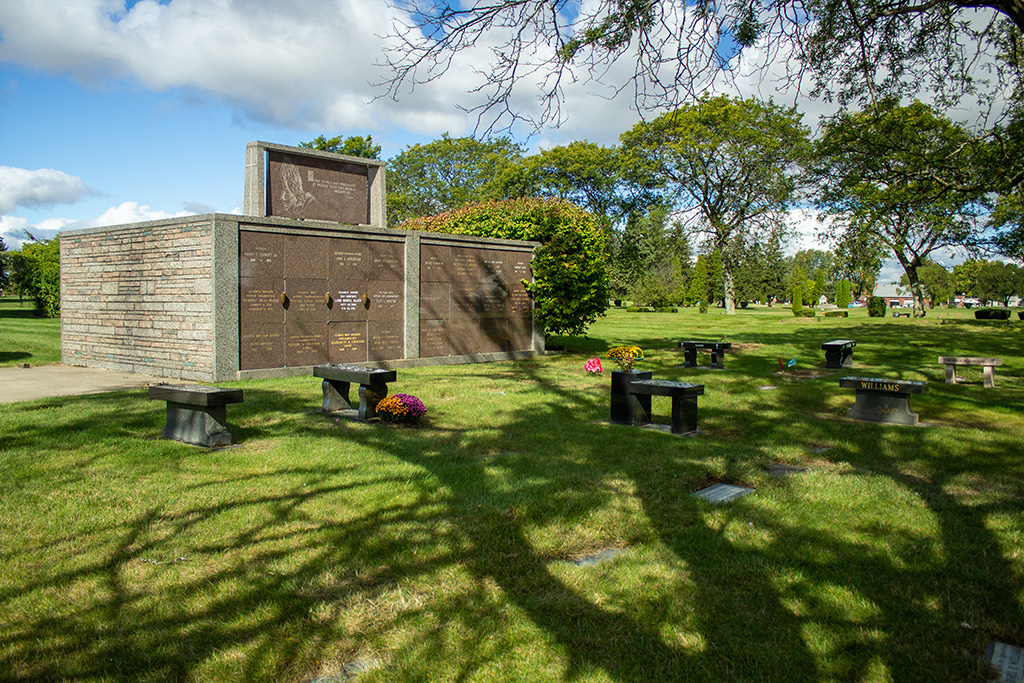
pixel 684 401
pixel 883 400
pixel 716 349
pixel 839 353
pixel 897 314
pixel 196 414
pixel 989 363
pixel 373 388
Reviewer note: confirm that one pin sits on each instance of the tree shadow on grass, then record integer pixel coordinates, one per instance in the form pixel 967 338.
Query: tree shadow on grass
pixel 317 542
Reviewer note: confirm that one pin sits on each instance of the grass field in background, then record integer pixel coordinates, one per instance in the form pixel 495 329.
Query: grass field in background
pixel 24 338
pixel 316 547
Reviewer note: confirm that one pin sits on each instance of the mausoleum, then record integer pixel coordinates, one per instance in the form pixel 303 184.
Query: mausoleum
pixel 308 275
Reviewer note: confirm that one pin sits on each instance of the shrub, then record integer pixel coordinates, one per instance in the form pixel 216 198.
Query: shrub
pixel 401 408
pixel 570 274
pixel 668 309
pixel 992 314
pixel 877 306
pixel 35 271
pixel 837 314
pixel 640 309
pixel 806 313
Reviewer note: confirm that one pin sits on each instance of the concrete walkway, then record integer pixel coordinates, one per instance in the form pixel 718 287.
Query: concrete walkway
pixel 25 384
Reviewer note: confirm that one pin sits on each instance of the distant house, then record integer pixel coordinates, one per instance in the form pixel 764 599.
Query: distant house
pixel 894 295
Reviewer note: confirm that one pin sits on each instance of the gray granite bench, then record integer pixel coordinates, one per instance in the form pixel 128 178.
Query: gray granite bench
pixel 373 387
pixel 716 349
pixel 989 363
pixel 684 402
pixel 196 414
pixel 839 353
pixel 883 400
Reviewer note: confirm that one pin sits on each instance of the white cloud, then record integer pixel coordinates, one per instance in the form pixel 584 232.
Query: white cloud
pixel 39 188
pixel 15 229
pixel 127 212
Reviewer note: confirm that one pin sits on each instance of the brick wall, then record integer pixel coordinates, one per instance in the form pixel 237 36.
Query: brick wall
pixel 139 298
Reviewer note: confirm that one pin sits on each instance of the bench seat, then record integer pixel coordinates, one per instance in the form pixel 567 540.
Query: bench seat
pixel 196 414
pixel 879 399
pixel 839 353
pixel 989 364
pixel 716 349
pixel 337 380
pixel 684 403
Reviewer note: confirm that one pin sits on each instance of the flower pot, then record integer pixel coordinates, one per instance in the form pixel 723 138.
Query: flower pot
pixel 627 408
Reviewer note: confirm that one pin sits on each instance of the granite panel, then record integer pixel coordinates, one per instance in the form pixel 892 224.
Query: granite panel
pixel 466 265
pixel 435 339
pixel 260 255
pixel 305 343
pixel 316 188
pixel 308 301
pixel 348 302
pixel 385 261
pixel 306 257
pixel 385 340
pixel 348 260
pixel 259 300
pixel 478 300
pixel 520 332
pixel 346 342
pixel 261 346
pixel 386 300
pixel 435 263
pixel 435 301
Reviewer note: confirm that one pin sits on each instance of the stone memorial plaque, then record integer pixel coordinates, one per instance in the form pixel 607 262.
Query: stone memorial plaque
pixel 778 469
pixel 307 301
pixel 435 263
pixel 597 558
pixel 493 263
pixel 435 301
pixel 347 259
pixel 519 303
pixel 346 342
pixel 722 493
pixel 305 343
pixel 306 257
pixel 260 255
pixel 385 261
pixel 517 266
pixel 1008 660
pixel 386 300
pixel 259 300
pixel 385 340
pixel 434 339
pixel 520 331
pixel 315 188
pixel 478 300
pixel 261 346
pixel 348 304
pixel 467 265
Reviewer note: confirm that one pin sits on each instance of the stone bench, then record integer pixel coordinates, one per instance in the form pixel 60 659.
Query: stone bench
pixel 373 388
pixel 897 314
pixel 716 349
pixel 196 414
pixel 684 401
pixel 839 353
pixel 989 363
pixel 883 400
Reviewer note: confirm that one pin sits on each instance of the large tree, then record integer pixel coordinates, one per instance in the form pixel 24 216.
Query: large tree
pixel 901 175
pixel 851 50
pixel 353 146
pixel 728 165
pixel 429 179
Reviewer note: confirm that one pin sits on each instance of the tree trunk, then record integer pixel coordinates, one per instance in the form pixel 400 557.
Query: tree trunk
pixel 730 290
pixel 915 290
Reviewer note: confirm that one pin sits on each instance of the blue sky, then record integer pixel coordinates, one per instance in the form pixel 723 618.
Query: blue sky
pixel 114 112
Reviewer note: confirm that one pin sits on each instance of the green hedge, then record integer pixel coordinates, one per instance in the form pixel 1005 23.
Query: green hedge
pixel 806 313
pixel 992 314
pixel 837 314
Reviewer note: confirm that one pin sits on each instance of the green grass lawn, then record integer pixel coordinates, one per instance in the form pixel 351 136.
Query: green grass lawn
pixel 443 552
pixel 24 338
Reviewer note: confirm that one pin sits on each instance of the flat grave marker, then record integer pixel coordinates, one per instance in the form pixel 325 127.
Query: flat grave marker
pixel 722 493
pixel 1008 660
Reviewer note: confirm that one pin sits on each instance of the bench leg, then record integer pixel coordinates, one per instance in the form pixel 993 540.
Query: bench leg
pixel 198 425
pixel 628 408
pixel 950 374
pixel 690 358
pixel 847 361
pixel 873 406
pixel 369 396
pixel 335 396
pixel 990 376
pixel 684 415
pixel 718 359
